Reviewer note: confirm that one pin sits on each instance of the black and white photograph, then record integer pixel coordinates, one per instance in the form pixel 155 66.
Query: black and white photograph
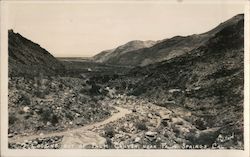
pixel 117 75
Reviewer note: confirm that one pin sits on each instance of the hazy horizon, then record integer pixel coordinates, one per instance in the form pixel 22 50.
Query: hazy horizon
pixel 85 29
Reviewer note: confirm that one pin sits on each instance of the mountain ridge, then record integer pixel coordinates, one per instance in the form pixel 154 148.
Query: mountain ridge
pixel 28 57
pixel 106 55
pixel 166 48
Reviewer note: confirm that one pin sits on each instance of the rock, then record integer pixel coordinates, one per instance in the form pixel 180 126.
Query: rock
pixel 150 115
pixel 130 125
pixel 137 140
pixel 151 134
pixel 166 117
pixel 174 90
pixel 197 88
pixel 41 134
pixel 204 137
pixel 178 121
pixel 170 102
pixel 35 143
pixel 26 109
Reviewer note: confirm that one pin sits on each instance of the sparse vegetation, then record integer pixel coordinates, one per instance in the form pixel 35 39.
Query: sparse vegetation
pixel 109 131
pixel 187 99
pixel 141 126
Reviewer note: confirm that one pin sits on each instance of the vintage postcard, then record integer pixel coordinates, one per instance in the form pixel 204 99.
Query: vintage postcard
pixel 124 78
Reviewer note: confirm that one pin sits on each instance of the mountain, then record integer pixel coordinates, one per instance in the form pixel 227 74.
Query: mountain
pixel 108 55
pixel 27 57
pixel 164 49
pixel 103 56
pixel 208 81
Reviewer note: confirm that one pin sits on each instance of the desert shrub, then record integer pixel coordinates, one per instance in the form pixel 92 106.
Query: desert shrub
pixel 82 91
pixel 54 120
pixel 123 129
pixel 95 89
pixel 12 119
pixel 180 123
pixel 69 116
pixel 138 91
pixel 27 116
pixel 46 115
pixel 109 143
pixel 24 100
pixel 141 126
pixel 109 131
pixel 46 92
pixel 115 76
pixel 176 131
pixel 21 111
pixel 60 86
pixel 105 78
pixel 200 124
pixel 124 84
pixel 39 94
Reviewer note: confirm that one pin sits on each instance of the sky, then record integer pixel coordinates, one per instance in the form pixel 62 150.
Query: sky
pixel 85 29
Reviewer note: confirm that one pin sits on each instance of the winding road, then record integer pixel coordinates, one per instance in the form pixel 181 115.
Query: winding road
pixel 79 137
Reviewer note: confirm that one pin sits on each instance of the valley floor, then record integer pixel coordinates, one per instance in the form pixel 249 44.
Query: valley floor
pixel 136 124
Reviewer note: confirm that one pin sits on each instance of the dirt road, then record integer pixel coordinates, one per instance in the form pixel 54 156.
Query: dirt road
pixel 79 136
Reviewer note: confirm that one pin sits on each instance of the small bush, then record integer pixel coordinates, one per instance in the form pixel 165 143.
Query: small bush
pixel 69 116
pixel 27 116
pixel 109 131
pixel 39 94
pixel 83 91
pixel 54 120
pixel 138 91
pixel 12 119
pixel 60 86
pixel 24 100
pixel 141 126
pixel 200 124
pixel 180 123
pixel 95 89
pixel 46 115
pixel 21 111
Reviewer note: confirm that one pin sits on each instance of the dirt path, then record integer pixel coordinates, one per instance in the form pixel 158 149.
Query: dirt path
pixel 81 134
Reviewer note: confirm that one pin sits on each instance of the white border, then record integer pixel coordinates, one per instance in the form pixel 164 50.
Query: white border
pixel 114 153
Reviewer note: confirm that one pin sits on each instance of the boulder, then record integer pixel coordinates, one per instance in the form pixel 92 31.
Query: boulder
pixel 137 139
pixel 151 134
pixel 26 109
pixel 150 115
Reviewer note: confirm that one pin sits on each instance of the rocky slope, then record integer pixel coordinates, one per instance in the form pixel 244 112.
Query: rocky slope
pixel 165 49
pixel 189 101
pixel 207 81
pixel 46 104
pixel 27 57
pixel 108 55
pixel 40 100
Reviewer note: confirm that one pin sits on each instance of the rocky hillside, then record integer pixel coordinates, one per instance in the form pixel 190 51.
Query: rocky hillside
pixel 27 57
pixel 108 55
pixel 207 81
pixel 166 49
